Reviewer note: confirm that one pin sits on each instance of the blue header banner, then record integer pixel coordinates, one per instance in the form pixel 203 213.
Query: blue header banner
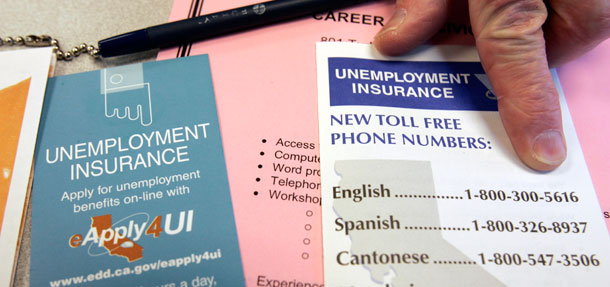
pixel 417 85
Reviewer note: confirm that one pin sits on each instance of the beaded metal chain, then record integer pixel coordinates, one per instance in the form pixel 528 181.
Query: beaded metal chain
pixel 48 41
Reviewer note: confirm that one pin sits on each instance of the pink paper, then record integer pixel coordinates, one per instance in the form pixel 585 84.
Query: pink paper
pixel 586 85
pixel 265 83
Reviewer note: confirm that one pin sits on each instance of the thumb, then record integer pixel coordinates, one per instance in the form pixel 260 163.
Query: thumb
pixel 413 22
pixel 511 45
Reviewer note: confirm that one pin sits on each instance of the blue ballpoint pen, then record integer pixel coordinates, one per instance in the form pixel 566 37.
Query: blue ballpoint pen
pixel 216 24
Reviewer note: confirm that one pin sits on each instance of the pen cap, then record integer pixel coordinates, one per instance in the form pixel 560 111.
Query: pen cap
pixel 132 42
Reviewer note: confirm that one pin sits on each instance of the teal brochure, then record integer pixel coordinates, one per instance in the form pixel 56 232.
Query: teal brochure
pixel 130 184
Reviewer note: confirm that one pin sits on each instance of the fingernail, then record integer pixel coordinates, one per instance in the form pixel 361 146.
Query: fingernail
pixel 549 147
pixel 395 21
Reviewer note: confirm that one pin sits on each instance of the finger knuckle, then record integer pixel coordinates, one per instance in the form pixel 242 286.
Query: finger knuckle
pixel 586 22
pixel 600 24
pixel 514 19
pixel 535 107
pixel 598 13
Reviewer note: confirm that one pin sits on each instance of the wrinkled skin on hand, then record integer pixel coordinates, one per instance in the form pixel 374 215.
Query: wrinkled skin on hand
pixel 517 41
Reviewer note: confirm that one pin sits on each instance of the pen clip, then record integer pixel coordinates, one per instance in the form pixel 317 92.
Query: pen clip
pixel 38 41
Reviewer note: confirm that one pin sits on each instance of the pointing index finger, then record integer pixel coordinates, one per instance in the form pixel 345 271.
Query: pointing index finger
pixel 511 45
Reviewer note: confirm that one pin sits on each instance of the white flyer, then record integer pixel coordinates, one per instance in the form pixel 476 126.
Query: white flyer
pixel 23 80
pixel 421 186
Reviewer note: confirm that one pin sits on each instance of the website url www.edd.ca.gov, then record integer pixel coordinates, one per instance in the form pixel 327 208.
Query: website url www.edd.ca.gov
pixel 102 274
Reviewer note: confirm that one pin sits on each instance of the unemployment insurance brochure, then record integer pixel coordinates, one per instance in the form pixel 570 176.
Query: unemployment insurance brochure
pixel 130 185
pixel 421 187
pixel 23 78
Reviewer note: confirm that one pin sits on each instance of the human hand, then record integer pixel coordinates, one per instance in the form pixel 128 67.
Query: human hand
pixel 516 40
